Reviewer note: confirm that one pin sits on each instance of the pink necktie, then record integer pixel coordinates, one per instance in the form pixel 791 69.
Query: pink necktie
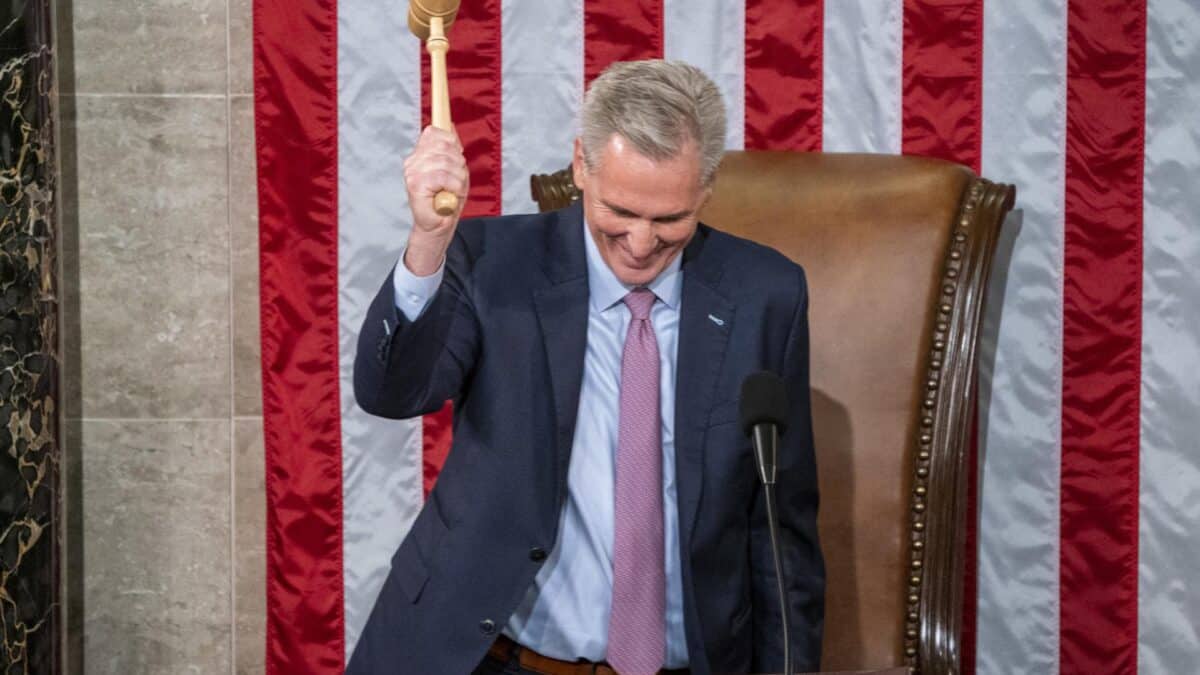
pixel 637 626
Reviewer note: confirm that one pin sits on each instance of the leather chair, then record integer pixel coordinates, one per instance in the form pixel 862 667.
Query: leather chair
pixel 898 251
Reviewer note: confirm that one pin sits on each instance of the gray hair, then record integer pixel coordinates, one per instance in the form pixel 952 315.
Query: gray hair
pixel 658 106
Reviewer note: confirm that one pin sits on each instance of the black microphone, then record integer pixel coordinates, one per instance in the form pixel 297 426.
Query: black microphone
pixel 764 411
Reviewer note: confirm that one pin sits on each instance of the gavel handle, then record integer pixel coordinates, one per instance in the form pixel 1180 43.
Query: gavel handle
pixel 445 203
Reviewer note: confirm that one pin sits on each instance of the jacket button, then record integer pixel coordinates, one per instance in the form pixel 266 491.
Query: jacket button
pixel 537 554
pixel 487 627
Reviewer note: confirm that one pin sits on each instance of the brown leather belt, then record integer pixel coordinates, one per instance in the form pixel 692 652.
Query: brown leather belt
pixel 504 648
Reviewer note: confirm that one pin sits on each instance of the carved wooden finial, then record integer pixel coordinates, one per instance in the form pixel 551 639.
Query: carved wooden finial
pixel 553 190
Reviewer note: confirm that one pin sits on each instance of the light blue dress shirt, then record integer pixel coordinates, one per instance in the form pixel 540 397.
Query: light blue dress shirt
pixel 565 613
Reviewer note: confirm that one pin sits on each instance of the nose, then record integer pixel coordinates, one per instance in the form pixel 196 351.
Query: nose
pixel 642 241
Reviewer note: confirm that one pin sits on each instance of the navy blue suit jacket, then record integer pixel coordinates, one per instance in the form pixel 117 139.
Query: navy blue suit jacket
pixel 504 338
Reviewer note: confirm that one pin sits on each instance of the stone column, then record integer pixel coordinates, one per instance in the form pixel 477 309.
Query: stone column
pixel 29 351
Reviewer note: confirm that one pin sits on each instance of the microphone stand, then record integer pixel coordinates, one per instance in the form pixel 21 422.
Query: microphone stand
pixel 766 450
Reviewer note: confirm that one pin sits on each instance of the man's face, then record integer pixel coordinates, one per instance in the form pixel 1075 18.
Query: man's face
pixel 640 212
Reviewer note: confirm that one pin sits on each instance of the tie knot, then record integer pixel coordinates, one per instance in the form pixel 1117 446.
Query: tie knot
pixel 639 301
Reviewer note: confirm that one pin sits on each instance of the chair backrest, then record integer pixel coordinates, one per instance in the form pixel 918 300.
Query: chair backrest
pixel 897 252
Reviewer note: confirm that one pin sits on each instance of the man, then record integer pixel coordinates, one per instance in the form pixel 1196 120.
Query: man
pixel 600 503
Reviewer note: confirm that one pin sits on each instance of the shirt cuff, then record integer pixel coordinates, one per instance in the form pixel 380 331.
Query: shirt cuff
pixel 413 293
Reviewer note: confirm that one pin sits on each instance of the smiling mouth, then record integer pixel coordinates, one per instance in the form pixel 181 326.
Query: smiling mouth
pixel 641 264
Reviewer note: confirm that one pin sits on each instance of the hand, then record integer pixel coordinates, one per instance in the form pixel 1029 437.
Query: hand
pixel 437 163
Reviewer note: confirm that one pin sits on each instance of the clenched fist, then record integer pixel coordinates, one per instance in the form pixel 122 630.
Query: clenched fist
pixel 436 164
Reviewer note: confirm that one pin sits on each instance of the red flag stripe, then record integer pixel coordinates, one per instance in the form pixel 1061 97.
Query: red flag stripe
pixel 620 31
pixel 295 84
pixel 941 106
pixel 1102 296
pixel 474 72
pixel 784 74
pixel 436 436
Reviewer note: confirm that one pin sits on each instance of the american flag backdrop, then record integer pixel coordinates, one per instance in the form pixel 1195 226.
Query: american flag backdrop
pixel 1089 502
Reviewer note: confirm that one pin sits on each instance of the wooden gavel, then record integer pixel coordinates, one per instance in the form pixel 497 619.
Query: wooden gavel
pixel 429 20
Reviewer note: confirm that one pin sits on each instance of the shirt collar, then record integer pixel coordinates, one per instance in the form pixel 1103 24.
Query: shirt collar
pixel 605 290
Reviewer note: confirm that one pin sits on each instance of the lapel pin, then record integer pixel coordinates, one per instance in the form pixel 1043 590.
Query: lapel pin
pixel 719 322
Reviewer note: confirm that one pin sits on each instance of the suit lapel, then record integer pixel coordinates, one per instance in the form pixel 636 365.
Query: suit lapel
pixel 562 312
pixel 706 320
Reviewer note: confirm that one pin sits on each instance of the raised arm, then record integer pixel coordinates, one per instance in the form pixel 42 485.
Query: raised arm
pixel 420 336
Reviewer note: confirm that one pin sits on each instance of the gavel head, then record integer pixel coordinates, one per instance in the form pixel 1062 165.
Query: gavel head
pixel 421 11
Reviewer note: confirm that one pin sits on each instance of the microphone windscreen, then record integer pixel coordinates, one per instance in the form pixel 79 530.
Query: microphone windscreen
pixel 763 401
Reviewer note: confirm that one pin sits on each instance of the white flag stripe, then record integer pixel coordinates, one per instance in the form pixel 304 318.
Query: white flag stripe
pixel 1024 121
pixel 379 95
pixel 542 66
pixel 1169 548
pixel 711 35
pixel 862 83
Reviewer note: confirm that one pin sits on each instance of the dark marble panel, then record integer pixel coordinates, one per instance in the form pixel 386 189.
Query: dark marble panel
pixel 29 448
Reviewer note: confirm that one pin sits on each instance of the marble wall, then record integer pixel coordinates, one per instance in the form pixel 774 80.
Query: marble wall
pixel 163 445
pixel 29 356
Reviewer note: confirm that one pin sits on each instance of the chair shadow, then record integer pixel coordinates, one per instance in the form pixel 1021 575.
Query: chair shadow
pixel 835 442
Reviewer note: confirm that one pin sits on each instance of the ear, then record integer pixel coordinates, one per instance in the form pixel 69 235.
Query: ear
pixel 706 194
pixel 579 166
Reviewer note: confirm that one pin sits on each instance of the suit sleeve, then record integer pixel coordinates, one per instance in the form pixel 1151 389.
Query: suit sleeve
pixel 796 495
pixel 405 368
